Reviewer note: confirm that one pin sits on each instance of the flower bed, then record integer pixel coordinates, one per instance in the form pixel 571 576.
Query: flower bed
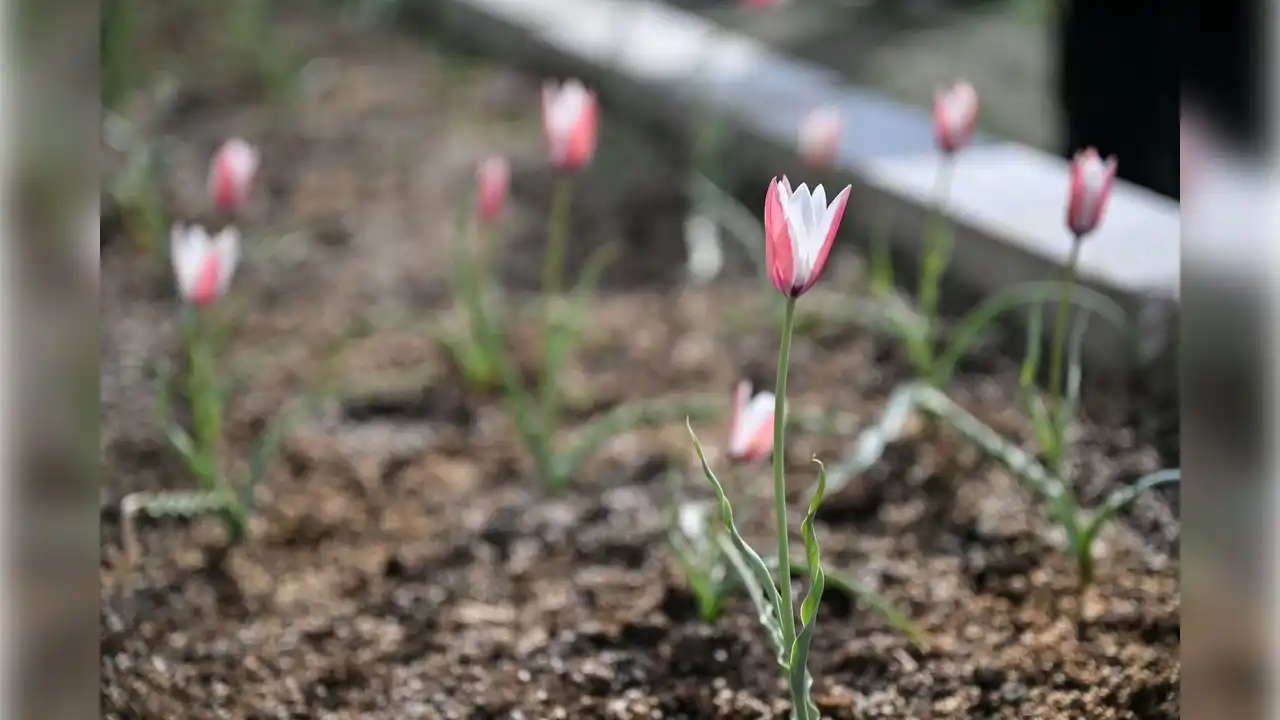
pixel 406 556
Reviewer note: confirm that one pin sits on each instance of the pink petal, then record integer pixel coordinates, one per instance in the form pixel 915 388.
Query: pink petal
pixel 777 243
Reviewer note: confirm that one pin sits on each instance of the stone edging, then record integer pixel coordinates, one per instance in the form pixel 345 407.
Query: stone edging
pixel 1007 200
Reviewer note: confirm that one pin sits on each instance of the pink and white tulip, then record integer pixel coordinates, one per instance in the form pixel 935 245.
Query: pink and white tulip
pixel 493 182
pixel 820 136
pixel 569 121
pixel 751 426
pixel 955 116
pixel 231 174
pixel 1091 179
pixel 202 265
pixel 799 228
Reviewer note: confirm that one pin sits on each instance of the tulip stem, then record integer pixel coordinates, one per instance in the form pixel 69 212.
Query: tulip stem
pixel 552 279
pixel 1059 337
pixel 787 612
pixel 934 258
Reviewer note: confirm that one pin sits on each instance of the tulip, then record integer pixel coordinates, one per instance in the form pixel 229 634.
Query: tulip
pixel 493 181
pixel 569 119
pixel 955 115
pixel 763 4
pixel 751 425
pixel 231 174
pixel 203 266
pixel 1091 179
pixel 820 136
pixel 799 229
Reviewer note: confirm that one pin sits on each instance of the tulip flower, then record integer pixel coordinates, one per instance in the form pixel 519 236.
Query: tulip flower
pixel 799 229
pixel 1091 179
pixel 569 119
pixel 231 174
pixel 203 266
pixel 493 181
pixel 763 4
pixel 820 136
pixel 751 426
pixel 955 116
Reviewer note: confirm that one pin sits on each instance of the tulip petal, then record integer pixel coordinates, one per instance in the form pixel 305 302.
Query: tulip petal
pixel 827 232
pixel 779 257
pixel 757 424
pixel 226 246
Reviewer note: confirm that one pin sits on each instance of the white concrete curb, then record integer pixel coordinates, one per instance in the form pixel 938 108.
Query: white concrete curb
pixel 1007 200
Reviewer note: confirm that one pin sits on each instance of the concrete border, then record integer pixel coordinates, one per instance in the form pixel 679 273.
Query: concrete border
pixel 1007 203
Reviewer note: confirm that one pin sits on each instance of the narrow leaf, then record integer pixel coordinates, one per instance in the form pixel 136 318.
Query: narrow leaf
pixel 755 592
pixel 870 445
pixel 798 662
pixel 626 417
pixel 758 569
pixel 1121 498
pixel 976 321
pixel 1075 376
pixel 857 591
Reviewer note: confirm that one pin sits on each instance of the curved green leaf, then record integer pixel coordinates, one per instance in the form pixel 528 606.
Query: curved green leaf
pixel 755 564
pixel 626 417
pixel 986 312
pixel 1121 498
pixel 857 591
pixel 1075 377
pixel 1041 418
pixel 798 660
pixel 871 443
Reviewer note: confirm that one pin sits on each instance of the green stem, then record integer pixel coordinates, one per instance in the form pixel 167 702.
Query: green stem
pixel 779 480
pixel 933 260
pixel 1060 335
pixel 552 279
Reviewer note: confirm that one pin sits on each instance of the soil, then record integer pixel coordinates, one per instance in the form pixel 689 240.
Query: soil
pixel 405 562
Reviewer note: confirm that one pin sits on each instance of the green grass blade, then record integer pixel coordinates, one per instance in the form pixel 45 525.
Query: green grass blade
pixel 799 678
pixel 976 321
pixel 755 564
pixel 857 591
pixel 1041 418
pixel 561 335
pixel 872 442
pixel 1022 464
pixel 1121 498
pixel 881 259
pixel 626 417
pixel 1075 377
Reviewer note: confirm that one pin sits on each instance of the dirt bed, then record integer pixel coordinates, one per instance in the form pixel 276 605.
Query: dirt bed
pixel 404 561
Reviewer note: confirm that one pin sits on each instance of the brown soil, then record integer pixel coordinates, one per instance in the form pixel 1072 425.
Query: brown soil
pixel 404 561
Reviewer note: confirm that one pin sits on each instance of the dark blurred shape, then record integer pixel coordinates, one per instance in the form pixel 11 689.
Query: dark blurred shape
pixel 1124 66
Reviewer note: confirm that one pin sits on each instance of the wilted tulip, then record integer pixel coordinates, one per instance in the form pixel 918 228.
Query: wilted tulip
pixel 569 119
pixel 751 426
pixel 820 136
pixel 493 181
pixel 799 229
pixel 231 174
pixel 203 266
pixel 955 115
pixel 1091 179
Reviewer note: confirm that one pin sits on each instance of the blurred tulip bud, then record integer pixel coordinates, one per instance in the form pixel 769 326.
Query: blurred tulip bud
pixel 1091 179
pixel 955 116
pixel 231 174
pixel 203 266
pixel 569 119
pixel 820 137
pixel 751 425
pixel 493 182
